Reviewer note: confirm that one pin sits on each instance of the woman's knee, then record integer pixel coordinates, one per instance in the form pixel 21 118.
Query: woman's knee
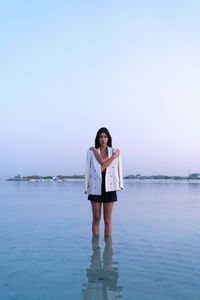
pixel 96 218
pixel 107 219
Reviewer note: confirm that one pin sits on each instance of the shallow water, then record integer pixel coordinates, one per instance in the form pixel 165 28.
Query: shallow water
pixel 47 250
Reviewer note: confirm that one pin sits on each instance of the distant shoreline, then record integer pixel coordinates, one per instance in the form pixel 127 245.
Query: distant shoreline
pixel 44 178
pixel 193 176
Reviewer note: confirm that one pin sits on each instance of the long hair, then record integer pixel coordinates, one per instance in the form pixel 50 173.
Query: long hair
pixel 103 130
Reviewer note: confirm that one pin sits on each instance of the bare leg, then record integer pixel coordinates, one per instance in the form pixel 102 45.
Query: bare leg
pixel 107 212
pixel 96 210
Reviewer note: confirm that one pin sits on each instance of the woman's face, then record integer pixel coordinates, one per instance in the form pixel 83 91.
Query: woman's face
pixel 103 139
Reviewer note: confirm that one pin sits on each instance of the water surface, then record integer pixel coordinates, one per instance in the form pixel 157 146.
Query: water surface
pixel 47 251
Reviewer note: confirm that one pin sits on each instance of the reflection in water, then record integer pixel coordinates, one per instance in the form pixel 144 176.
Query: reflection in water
pixel 102 280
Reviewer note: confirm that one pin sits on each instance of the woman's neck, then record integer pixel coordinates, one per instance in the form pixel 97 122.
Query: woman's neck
pixel 103 147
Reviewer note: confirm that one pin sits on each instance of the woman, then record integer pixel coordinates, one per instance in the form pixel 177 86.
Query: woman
pixel 103 177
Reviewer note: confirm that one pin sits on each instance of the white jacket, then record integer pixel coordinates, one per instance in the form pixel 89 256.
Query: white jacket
pixel 113 179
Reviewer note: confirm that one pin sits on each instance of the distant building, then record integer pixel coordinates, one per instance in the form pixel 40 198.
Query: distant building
pixel 194 176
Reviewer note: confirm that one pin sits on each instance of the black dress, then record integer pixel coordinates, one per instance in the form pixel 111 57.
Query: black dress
pixel 105 196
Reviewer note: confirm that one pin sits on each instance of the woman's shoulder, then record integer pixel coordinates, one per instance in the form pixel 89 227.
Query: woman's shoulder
pixel 90 153
pixel 89 150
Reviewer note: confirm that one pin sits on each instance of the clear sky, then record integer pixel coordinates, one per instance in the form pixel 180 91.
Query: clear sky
pixel 68 68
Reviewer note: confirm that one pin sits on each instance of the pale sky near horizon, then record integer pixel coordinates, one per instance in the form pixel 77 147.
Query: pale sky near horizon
pixel 71 67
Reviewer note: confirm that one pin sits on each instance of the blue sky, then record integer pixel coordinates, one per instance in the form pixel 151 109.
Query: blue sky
pixel 71 67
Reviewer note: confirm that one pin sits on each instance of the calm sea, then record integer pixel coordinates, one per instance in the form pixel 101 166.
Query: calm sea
pixel 47 252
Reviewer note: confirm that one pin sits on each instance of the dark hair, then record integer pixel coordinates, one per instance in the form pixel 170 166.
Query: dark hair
pixel 101 130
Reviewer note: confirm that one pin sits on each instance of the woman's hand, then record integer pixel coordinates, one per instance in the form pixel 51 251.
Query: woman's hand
pixel 92 149
pixel 116 153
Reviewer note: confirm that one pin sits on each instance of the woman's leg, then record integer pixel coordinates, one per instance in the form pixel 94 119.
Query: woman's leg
pixel 107 212
pixel 96 211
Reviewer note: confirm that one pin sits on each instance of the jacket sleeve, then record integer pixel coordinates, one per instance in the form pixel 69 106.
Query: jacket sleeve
pixel 121 185
pixel 87 172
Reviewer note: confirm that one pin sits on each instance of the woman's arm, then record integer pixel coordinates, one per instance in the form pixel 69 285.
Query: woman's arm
pixel 97 155
pixel 105 162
